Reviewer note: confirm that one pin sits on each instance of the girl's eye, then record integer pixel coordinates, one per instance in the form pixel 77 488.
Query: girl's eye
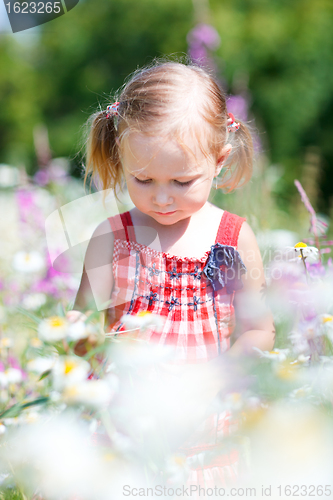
pixel 183 183
pixel 146 181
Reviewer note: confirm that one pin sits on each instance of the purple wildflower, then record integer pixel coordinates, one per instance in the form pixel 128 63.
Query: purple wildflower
pixel 202 39
pixel 204 35
pixel 238 106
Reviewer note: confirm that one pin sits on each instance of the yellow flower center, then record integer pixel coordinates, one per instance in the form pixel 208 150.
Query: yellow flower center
pixel 286 371
pixel 27 257
pixel 300 245
pixel 253 417
pixel 143 313
pixel 179 460
pixel 327 318
pixel 6 342
pixel 235 397
pixel 69 366
pixel 300 393
pixel 35 342
pixel 70 392
pixel 274 352
pixel 56 322
pixel 108 457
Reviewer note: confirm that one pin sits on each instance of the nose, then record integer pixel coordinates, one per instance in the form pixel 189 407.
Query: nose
pixel 162 197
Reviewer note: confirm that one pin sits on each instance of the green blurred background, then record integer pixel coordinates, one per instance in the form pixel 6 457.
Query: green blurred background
pixel 277 54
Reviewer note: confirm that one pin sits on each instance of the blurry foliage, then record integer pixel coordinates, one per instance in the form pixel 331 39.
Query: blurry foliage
pixel 79 59
pixel 282 50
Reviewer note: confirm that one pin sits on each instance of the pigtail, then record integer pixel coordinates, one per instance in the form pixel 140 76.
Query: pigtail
pixel 103 164
pixel 237 170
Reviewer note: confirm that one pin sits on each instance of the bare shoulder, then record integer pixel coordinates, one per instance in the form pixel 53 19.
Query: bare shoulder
pixel 247 242
pixel 103 228
pixel 250 254
pixel 97 277
pixel 100 248
pixel 103 235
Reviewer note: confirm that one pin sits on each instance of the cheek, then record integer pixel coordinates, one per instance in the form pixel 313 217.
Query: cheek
pixel 199 192
pixel 138 195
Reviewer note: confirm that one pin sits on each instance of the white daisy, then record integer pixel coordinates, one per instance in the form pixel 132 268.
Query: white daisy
pixel 3 380
pixel 28 262
pixel 302 251
pixel 143 321
pixel 40 365
pixel 95 393
pixel 326 325
pixel 176 469
pixel 34 301
pixel 69 370
pixel 77 331
pixel 6 342
pixel 10 376
pixel 53 329
pixel 276 355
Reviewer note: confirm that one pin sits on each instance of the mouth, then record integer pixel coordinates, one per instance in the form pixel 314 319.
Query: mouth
pixel 166 213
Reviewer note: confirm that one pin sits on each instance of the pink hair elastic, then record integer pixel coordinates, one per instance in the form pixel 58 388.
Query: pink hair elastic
pixel 232 125
pixel 112 109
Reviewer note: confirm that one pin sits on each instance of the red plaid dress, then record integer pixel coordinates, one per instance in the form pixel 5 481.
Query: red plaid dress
pixel 199 319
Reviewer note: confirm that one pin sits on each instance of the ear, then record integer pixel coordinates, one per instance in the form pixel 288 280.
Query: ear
pixel 225 152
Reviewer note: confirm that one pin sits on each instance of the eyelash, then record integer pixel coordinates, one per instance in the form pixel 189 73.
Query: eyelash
pixel 182 184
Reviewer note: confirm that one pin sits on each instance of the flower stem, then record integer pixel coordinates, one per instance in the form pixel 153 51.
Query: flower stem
pixel 65 346
pixel 306 271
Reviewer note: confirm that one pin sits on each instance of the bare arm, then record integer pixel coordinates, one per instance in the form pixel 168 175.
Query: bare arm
pixel 253 317
pixel 97 279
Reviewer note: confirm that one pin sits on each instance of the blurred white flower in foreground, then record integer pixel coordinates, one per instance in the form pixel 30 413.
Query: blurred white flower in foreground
pixel 176 469
pixel 28 262
pixel 78 330
pixel 326 321
pixel 292 444
pixel 58 328
pixel 40 365
pixel 10 376
pixel 34 301
pixel 6 342
pixel 143 320
pixel 95 393
pixel 69 370
pixel 57 458
pixel 53 329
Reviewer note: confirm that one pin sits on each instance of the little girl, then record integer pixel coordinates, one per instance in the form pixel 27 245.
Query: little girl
pixel 169 138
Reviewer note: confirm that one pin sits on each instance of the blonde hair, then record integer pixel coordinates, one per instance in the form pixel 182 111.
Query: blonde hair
pixel 175 99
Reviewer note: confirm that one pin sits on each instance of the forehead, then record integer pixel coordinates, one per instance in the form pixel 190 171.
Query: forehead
pixel 161 155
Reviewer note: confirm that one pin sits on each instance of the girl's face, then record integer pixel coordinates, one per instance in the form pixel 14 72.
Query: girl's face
pixel 165 181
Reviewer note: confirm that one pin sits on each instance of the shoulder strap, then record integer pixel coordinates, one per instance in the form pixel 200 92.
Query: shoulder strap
pixel 122 226
pixel 229 228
